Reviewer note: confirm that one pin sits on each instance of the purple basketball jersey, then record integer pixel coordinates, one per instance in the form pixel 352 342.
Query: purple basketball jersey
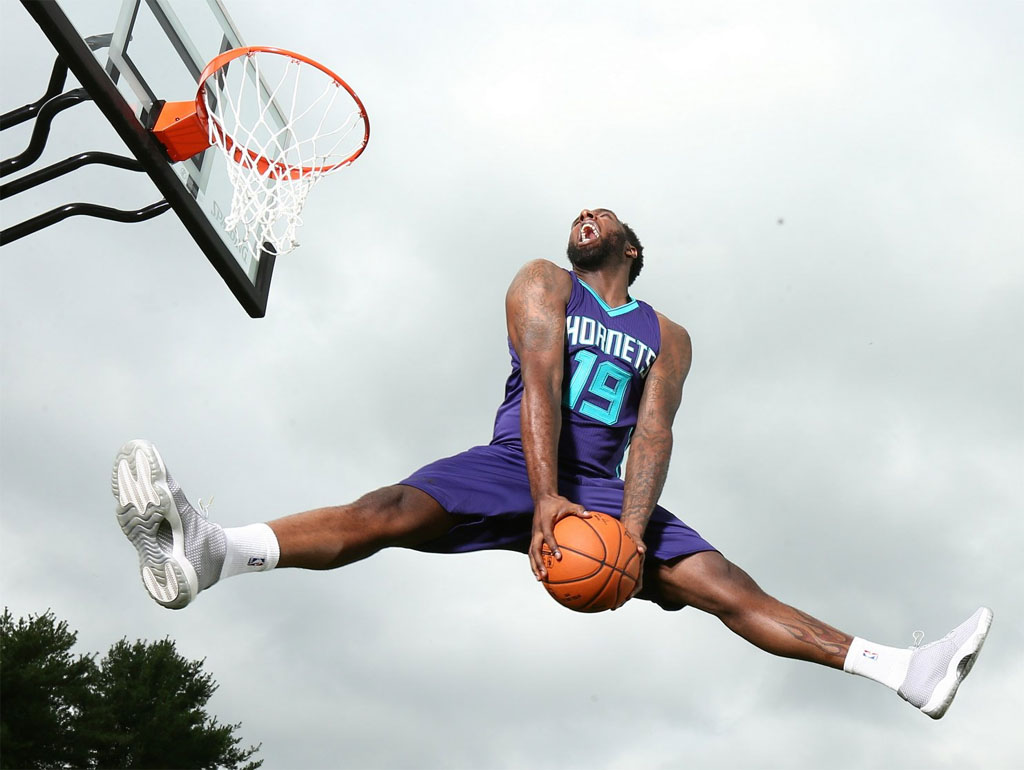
pixel 609 352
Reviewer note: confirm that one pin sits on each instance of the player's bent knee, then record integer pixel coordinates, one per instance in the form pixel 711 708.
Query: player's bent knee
pixel 403 515
pixel 709 582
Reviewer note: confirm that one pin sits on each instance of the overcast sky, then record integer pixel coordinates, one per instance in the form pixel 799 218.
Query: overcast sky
pixel 830 197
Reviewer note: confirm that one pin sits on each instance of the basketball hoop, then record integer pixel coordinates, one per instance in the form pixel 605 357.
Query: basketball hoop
pixel 283 122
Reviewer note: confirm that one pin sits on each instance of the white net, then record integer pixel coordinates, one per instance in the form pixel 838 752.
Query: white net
pixel 283 124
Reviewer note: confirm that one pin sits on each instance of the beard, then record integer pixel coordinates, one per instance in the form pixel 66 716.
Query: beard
pixel 593 257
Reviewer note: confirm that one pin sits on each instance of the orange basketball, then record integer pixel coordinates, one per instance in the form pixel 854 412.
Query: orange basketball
pixel 600 565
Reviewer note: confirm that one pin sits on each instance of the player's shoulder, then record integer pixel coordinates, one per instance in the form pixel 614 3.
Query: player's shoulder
pixel 544 269
pixel 544 276
pixel 671 331
pixel 676 352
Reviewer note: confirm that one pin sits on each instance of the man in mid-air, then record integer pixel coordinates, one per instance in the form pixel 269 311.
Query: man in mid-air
pixel 594 371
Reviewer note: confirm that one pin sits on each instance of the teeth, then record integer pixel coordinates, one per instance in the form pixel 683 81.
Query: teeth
pixel 588 232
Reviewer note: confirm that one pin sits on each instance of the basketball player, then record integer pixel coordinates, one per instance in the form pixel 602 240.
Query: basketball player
pixel 593 371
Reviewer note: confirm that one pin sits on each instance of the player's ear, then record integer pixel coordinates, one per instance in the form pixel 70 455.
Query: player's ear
pixel 630 250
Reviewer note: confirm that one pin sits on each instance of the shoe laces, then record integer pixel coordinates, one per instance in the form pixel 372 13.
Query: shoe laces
pixel 918 635
pixel 204 508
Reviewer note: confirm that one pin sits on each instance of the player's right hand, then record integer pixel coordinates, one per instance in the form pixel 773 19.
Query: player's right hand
pixel 548 510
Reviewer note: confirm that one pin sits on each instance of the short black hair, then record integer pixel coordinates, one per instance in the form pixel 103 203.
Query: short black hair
pixel 638 263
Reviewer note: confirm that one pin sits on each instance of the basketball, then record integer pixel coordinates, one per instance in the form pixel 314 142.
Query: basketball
pixel 600 565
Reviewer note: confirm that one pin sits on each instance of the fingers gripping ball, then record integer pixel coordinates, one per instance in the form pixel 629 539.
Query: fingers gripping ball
pixel 599 567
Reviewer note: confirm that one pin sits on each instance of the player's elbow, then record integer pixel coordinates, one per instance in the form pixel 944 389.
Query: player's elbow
pixel 543 387
pixel 657 437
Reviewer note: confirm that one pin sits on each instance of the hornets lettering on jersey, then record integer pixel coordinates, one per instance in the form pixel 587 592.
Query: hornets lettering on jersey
pixel 584 331
pixel 609 352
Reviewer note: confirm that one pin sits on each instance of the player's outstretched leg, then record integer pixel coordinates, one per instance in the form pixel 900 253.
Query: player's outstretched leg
pixel 180 552
pixel 926 676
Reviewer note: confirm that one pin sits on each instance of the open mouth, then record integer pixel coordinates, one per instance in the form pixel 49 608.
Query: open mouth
pixel 589 232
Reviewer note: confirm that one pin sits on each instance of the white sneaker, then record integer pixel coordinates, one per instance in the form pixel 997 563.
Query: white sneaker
pixel 936 669
pixel 180 552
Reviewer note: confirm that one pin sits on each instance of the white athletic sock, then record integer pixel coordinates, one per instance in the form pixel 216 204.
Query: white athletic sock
pixel 887 665
pixel 249 549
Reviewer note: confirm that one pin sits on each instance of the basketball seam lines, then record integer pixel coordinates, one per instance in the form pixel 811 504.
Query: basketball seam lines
pixel 578 552
pixel 611 572
pixel 605 560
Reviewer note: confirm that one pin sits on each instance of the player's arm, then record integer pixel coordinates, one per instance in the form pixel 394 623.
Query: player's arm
pixel 535 312
pixel 651 447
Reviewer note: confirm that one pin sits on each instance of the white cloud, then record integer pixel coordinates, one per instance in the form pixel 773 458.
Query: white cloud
pixel 850 434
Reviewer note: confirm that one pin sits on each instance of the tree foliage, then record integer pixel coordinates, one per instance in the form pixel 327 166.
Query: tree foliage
pixel 141 706
pixel 44 690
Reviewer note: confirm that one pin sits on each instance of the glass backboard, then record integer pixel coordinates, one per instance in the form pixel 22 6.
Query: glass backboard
pixel 157 51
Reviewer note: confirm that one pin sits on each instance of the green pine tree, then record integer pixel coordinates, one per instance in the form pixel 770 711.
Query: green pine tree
pixel 44 692
pixel 152 713
pixel 142 706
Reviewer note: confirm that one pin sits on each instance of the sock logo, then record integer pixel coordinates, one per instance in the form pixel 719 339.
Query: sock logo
pixel 867 653
pixel 259 561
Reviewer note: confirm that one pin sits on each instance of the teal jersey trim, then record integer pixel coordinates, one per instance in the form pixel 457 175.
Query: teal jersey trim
pixel 629 439
pixel 620 310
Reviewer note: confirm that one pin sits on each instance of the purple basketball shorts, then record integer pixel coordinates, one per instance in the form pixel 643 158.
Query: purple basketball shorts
pixel 487 488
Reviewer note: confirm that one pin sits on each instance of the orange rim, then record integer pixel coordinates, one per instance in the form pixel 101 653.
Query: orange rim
pixel 278 169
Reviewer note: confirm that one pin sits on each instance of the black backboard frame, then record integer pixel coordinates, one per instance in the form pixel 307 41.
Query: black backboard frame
pixel 72 49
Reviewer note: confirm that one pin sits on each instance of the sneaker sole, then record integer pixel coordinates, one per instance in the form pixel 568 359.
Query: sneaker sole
pixel 144 505
pixel 959 667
